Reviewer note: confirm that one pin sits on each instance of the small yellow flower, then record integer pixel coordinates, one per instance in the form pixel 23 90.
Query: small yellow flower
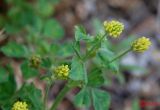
pixel 20 106
pixel 61 72
pixel 141 44
pixel 35 61
pixel 113 28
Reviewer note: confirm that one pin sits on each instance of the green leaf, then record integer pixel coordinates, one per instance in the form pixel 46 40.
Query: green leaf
pixel 7 88
pixel 78 70
pixel 80 33
pixel 82 99
pixel 4 76
pixel 62 50
pixel 104 56
pixel 27 71
pixel 11 28
pixel 53 29
pixel 114 66
pixel 32 96
pixel 95 78
pixel 43 47
pixel 22 11
pixel 46 62
pixel 37 26
pixel 13 49
pixel 76 47
pixel 45 9
pixel 54 47
pixel 66 50
pixel 101 99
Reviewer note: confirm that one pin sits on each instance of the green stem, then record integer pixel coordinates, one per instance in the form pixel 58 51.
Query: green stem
pixel 46 95
pixel 94 47
pixel 120 55
pixel 60 97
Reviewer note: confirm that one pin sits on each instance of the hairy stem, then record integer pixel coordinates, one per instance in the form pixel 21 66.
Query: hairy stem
pixel 46 95
pixel 60 97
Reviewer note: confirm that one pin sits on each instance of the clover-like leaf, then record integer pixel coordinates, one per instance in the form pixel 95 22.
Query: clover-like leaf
pixel 7 86
pixel 53 29
pixel 78 70
pixel 82 99
pixel 95 78
pixel 101 99
pixel 13 49
pixel 32 96
pixel 80 34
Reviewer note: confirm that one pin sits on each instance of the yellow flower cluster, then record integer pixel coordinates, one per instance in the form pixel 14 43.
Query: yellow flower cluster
pixel 141 44
pixel 20 106
pixel 35 61
pixel 113 28
pixel 61 72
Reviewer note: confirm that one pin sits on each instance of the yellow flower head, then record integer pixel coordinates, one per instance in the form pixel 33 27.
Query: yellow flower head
pixel 113 28
pixel 61 72
pixel 20 106
pixel 141 44
pixel 35 61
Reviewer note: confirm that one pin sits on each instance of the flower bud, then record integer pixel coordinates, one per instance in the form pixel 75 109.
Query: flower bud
pixel 61 72
pixel 113 28
pixel 141 44
pixel 35 61
pixel 20 106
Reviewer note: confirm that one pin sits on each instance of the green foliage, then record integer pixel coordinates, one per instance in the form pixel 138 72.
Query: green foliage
pixel 32 95
pixel 46 62
pixel 80 34
pixel 53 29
pixel 27 71
pixel 3 76
pixel 104 56
pixel 95 78
pixel 7 86
pixel 101 99
pixel 45 9
pixel 13 49
pixel 82 99
pixel 90 58
pixel 78 70
pixel 66 51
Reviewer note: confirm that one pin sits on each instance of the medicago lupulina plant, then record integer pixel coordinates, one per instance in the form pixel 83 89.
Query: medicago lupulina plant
pixel 85 69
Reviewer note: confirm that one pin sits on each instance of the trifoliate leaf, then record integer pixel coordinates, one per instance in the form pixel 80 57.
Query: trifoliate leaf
pixel 13 49
pixel 53 29
pixel 80 34
pixel 95 78
pixel 101 99
pixel 32 96
pixel 82 99
pixel 78 70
